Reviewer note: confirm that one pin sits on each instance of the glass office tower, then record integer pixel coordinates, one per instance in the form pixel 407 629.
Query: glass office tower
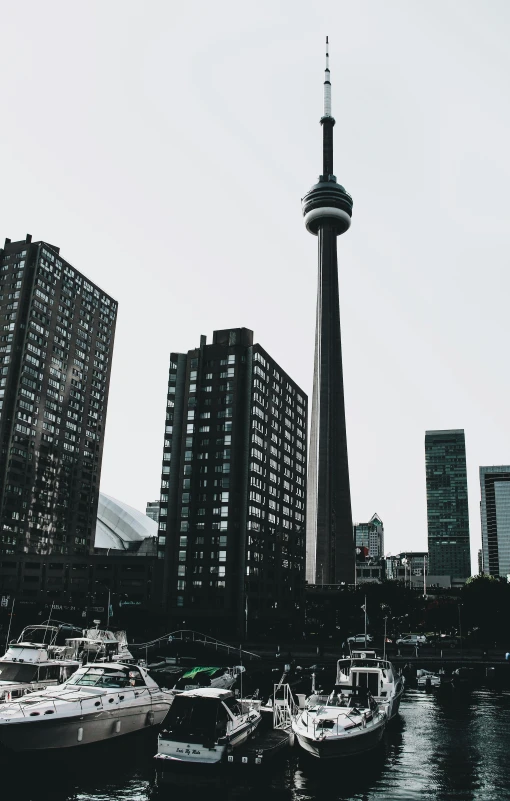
pixel 447 504
pixel 495 514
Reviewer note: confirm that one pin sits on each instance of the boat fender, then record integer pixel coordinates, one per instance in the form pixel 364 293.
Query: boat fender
pixel 150 718
pixel 364 722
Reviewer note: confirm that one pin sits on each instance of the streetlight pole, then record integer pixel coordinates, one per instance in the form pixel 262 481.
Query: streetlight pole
pixel 109 600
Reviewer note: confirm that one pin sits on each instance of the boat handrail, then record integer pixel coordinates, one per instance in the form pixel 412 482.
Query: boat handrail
pixel 355 724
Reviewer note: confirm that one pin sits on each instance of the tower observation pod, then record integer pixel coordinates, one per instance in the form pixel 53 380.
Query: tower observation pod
pixel 327 212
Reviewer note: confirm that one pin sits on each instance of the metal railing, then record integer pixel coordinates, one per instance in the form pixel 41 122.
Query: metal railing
pixel 188 635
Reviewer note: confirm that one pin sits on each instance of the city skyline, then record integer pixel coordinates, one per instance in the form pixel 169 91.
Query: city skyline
pixel 423 334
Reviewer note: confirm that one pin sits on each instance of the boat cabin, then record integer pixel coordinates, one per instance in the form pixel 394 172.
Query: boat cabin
pixel 204 716
pixel 108 675
pixel 365 670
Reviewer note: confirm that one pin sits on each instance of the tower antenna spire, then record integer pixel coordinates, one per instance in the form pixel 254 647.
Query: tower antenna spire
pixel 327 84
pixel 327 122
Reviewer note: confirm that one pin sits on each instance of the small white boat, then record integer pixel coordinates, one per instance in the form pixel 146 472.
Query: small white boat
pixel 379 676
pixel 204 724
pixel 33 663
pixel 339 725
pixel 99 702
pixel 425 679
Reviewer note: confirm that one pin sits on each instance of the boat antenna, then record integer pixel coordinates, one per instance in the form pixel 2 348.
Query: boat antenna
pixel 48 621
pixel 241 661
pixel 365 608
pixel 10 624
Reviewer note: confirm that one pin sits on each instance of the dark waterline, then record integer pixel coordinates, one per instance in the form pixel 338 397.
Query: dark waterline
pixel 452 745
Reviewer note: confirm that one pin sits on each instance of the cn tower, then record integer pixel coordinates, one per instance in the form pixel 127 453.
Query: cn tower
pixel 327 211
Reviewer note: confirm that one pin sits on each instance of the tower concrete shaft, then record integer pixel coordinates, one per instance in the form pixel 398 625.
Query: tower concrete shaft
pixel 327 209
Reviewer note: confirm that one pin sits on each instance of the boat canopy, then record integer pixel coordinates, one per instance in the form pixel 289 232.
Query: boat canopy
pixel 208 671
pixel 196 718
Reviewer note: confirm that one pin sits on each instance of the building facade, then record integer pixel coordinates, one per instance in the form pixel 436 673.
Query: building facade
pixel 152 510
pixel 327 211
pixel 447 504
pixel 370 535
pixel 407 566
pixel 56 341
pixel 495 514
pixel 233 488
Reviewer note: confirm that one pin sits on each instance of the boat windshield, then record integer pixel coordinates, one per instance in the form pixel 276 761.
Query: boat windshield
pixel 13 671
pixel 195 718
pixel 104 677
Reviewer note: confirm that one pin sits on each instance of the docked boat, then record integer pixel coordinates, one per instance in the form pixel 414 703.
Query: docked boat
pixel 219 678
pixel 204 725
pixel 96 645
pixel 34 662
pixel 378 676
pixel 427 680
pixel 99 702
pixel 339 725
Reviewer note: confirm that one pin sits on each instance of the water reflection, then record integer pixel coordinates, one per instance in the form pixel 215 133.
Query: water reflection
pixel 452 745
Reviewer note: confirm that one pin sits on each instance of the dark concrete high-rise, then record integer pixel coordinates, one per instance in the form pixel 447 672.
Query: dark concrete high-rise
pixel 233 488
pixel 56 342
pixel 447 504
pixel 327 210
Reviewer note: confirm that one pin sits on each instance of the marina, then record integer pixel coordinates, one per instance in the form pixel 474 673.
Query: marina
pixel 438 749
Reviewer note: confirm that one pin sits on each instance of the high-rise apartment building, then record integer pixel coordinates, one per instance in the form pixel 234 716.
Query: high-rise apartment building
pixel 370 535
pixel 495 514
pixel 56 342
pixel 232 508
pixel 447 504
pixel 152 510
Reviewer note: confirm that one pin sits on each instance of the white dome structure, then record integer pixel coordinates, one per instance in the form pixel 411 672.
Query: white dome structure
pixel 120 527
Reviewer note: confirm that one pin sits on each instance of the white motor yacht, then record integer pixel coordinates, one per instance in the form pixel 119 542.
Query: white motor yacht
pixel 204 724
pixel 339 725
pixel 34 662
pixel 100 701
pixel 378 676
pixel 99 644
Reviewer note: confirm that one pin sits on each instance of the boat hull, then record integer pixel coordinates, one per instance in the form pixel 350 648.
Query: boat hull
pixel 392 706
pixel 177 751
pixel 342 746
pixel 72 732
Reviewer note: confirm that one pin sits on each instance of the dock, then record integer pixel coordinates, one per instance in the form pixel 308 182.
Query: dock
pixel 262 749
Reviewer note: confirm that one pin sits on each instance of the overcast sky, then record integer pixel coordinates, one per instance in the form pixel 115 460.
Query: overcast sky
pixel 165 147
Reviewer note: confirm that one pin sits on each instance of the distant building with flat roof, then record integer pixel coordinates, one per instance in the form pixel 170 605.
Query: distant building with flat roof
pixel 152 510
pixel 495 518
pixel 447 504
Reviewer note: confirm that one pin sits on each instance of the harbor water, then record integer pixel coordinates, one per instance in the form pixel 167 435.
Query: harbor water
pixel 451 745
